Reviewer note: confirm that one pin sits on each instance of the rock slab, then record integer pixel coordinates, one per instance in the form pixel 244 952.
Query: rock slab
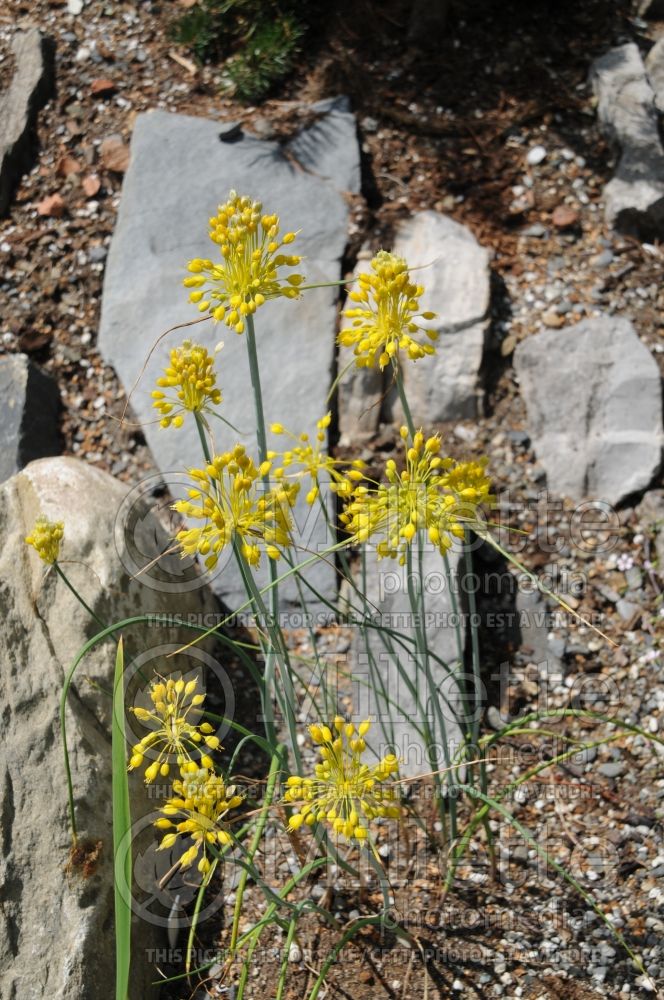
pixel 30 88
pixel 454 270
pixel 56 930
pixel 180 171
pixel 594 408
pixel 655 71
pixel 29 413
pixel 634 198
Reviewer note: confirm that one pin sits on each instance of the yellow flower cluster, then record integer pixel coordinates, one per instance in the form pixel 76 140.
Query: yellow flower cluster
pixel 387 317
pixel 345 792
pixel 248 272
pixel 314 461
pixel 45 538
pixel 191 374
pixel 233 504
pixel 174 734
pixel 432 493
pixel 197 810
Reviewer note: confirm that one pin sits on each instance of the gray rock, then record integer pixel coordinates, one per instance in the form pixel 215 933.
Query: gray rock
pixel 30 88
pixel 585 756
pixel 29 414
pixel 534 626
pixel 608 593
pixel 626 108
pixel 655 71
pixel 627 609
pixel 537 230
pixel 329 147
pixel 454 270
pixel 495 719
pixel 603 259
pixel 179 172
pixel 519 438
pixel 612 769
pixel 56 936
pixel 388 603
pixel 556 647
pixel 594 406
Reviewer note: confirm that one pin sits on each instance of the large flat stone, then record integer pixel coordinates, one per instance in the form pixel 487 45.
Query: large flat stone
pixel 454 270
pixel 594 402
pixel 56 929
pixel 28 91
pixel 634 198
pixel 655 71
pixel 180 171
pixel 29 414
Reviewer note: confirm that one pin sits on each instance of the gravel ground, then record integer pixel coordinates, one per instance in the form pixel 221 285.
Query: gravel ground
pixel 499 131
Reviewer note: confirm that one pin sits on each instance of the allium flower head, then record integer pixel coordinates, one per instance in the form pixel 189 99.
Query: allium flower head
pixel 248 272
pixel 387 317
pixel 310 458
pixel 345 792
pixel 45 538
pixel 434 494
pixel 197 810
pixel 232 503
pixel 192 376
pixel 174 731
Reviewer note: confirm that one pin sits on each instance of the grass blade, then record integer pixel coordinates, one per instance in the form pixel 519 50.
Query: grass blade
pixel 121 831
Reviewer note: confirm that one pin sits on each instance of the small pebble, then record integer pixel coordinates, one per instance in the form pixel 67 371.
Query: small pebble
pixel 612 769
pixel 535 155
pixel 294 953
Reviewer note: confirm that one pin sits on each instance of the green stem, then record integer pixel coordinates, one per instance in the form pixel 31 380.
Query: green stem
pixel 200 427
pixel 398 378
pixel 255 841
pixel 260 612
pixel 422 650
pixel 76 594
pixel 276 633
pixel 254 371
pixel 475 654
pixel 283 972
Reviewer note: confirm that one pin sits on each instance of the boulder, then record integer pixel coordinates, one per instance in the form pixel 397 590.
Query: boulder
pixel 655 71
pixel 56 928
pixel 162 224
pixel 594 408
pixel 454 270
pixel 29 413
pixel 30 88
pixel 634 198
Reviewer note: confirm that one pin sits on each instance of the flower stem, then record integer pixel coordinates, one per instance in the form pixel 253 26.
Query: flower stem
pixel 76 594
pixel 275 767
pixel 254 371
pixel 398 378
pixel 200 427
pixel 280 643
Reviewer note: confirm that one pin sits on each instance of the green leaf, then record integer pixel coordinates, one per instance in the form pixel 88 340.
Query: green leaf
pixel 121 833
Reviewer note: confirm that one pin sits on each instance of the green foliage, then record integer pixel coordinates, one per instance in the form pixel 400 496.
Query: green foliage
pixel 259 38
pixel 121 833
pixel 266 58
